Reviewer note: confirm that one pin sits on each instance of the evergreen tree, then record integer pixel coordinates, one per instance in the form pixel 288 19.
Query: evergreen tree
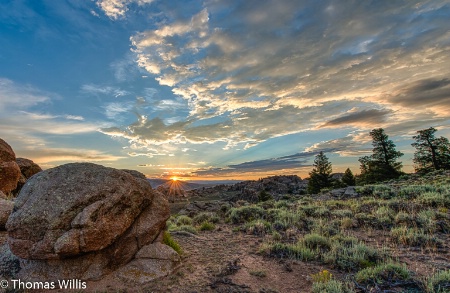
pixel 431 153
pixel 348 179
pixel 382 164
pixel 320 176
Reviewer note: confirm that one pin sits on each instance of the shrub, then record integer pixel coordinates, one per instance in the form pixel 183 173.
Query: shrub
pixel 322 277
pixel 276 236
pixel 384 216
pixel 383 191
pixel 332 286
pixel 260 274
pixel 316 241
pixel 168 240
pixel 186 228
pixel 412 237
pixel 351 257
pixel 404 218
pixel 347 223
pixel 412 191
pixel 382 273
pixel 321 212
pixel 434 199
pixel 246 214
pixel 309 209
pixel 342 213
pixel 286 250
pixel 206 217
pixel 285 219
pixel 325 227
pixel 426 220
pixel 207 226
pixel 183 220
pixel 439 282
pixel 257 227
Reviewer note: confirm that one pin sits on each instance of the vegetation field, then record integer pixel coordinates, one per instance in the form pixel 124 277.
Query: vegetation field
pixel 393 237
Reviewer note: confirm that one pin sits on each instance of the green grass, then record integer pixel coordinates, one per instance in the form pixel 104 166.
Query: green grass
pixel 168 240
pixel 439 282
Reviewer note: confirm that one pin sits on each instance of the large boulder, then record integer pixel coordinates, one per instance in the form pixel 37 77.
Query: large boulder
pixel 9 170
pixel 27 169
pixel 83 221
pixel 6 207
pixel 9 263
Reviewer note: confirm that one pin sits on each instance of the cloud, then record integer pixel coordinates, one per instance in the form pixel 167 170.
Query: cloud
pixel 20 96
pixel 103 90
pixel 365 117
pixel 431 93
pixel 115 110
pixel 17 115
pixel 353 145
pixel 51 155
pixel 275 68
pixel 116 9
pixel 290 162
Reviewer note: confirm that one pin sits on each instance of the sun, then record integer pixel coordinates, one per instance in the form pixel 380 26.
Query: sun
pixel 174 178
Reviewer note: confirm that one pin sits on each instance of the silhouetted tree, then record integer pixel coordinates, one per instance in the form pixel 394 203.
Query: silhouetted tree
pixel 431 153
pixel 320 176
pixel 264 196
pixel 382 164
pixel 348 179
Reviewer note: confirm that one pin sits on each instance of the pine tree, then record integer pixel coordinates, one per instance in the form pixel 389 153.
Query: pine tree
pixel 348 179
pixel 382 164
pixel 320 176
pixel 431 153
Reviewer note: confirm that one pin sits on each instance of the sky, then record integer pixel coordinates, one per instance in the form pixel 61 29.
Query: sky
pixel 220 89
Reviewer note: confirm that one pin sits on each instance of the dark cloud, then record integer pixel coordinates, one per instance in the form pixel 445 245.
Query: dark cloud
pixel 274 164
pixel 372 117
pixel 426 92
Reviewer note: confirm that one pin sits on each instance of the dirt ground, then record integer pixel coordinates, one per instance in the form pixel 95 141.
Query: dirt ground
pixel 227 261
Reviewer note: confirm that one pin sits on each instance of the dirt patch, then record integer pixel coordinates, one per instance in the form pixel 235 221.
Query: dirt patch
pixel 226 261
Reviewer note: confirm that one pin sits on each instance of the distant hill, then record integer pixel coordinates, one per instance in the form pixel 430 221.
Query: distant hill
pixel 186 185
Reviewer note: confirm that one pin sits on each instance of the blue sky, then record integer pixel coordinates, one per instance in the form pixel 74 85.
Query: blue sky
pixel 220 89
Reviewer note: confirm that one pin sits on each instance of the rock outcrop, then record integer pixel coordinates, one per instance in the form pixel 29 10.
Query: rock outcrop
pixel 84 221
pixel 9 170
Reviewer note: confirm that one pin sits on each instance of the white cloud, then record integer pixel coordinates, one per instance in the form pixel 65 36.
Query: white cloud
pixel 103 90
pixel 115 110
pixel 19 96
pixel 116 9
